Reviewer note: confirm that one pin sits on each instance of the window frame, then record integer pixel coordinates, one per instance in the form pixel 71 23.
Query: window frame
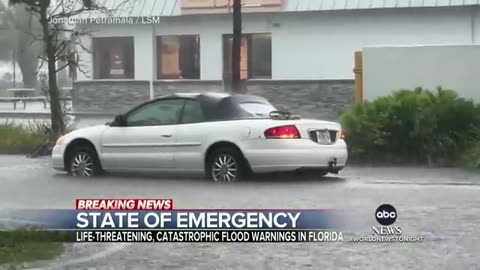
pixel 153 102
pixel 249 39
pixel 158 56
pixel 183 111
pixel 96 70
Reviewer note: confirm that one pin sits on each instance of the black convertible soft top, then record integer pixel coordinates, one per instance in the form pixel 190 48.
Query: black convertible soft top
pixel 222 106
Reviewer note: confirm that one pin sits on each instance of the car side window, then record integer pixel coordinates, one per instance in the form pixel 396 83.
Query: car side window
pixel 162 112
pixel 192 112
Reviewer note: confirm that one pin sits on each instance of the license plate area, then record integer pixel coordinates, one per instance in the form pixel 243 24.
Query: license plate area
pixel 323 136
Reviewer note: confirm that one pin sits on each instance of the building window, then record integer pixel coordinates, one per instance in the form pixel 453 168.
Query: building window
pixel 255 56
pixel 261 56
pixel 178 57
pixel 113 58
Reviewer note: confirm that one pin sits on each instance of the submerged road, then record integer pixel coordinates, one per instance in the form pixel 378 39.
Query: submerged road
pixel 442 205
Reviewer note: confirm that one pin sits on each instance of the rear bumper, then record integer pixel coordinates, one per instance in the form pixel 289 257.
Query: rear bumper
pixel 291 155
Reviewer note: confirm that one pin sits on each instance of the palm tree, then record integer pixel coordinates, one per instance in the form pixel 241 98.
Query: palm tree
pixel 17 29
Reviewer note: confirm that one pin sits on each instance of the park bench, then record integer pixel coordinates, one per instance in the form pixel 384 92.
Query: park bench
pixel 22 92
pixel 25 100
pixel 13 100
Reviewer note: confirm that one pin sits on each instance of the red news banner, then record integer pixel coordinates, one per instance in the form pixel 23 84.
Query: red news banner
pixel 124 204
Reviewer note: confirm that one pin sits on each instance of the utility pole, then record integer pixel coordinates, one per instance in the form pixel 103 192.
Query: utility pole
pixel 236 84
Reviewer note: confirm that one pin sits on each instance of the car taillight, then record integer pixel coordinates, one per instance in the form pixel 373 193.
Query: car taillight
pixel 343 135
pixel 283 132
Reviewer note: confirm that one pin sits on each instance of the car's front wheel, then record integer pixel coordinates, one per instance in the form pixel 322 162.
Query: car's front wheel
pixel 225 165
pixel 83 161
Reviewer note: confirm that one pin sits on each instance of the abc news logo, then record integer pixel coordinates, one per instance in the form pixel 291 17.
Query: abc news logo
pixel 386 215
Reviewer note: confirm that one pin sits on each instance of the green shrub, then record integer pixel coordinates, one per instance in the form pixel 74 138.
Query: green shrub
pixel 471 157
pixel 16 138
pixel 412 126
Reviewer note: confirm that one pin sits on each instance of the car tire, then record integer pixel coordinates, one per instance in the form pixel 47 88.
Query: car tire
pixel 226 165
pixel 83 162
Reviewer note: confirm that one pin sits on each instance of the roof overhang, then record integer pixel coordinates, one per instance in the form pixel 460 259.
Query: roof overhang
pixel 168 8
pixel 225 6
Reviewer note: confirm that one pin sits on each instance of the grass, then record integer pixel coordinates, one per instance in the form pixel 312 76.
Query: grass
pixel 17 138
pixel 26 246
pixel 20 139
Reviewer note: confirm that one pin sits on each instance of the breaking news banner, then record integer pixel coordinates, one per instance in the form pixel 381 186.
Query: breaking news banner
pixel 155 220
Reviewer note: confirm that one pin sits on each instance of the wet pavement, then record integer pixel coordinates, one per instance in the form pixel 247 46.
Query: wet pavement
pixel 442 205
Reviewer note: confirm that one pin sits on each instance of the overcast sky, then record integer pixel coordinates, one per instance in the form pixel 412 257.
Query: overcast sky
pixel 7 67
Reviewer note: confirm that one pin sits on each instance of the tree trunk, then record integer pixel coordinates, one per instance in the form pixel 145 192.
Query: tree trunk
pixel 236 46
pixel 56 114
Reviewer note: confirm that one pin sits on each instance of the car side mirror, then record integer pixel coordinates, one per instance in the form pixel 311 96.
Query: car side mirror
pixel 119 121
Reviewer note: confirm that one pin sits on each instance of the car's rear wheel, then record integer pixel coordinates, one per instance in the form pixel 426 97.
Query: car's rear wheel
pixel 225 165
pixel 83 162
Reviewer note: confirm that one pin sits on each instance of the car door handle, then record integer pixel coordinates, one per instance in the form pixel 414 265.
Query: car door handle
pixel 167 135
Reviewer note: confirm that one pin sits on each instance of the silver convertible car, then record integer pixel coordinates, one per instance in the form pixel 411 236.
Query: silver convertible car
pixel 226 137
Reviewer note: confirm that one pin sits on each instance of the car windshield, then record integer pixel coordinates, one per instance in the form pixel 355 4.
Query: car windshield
pixel 258 110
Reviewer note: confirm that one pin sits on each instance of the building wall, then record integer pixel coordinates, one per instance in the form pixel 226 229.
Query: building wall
pixel 322 45
pixel 452 67
pixel 312 55
pixel 312 99
pixel 305 45
pixel 325 99
pixel 108 96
